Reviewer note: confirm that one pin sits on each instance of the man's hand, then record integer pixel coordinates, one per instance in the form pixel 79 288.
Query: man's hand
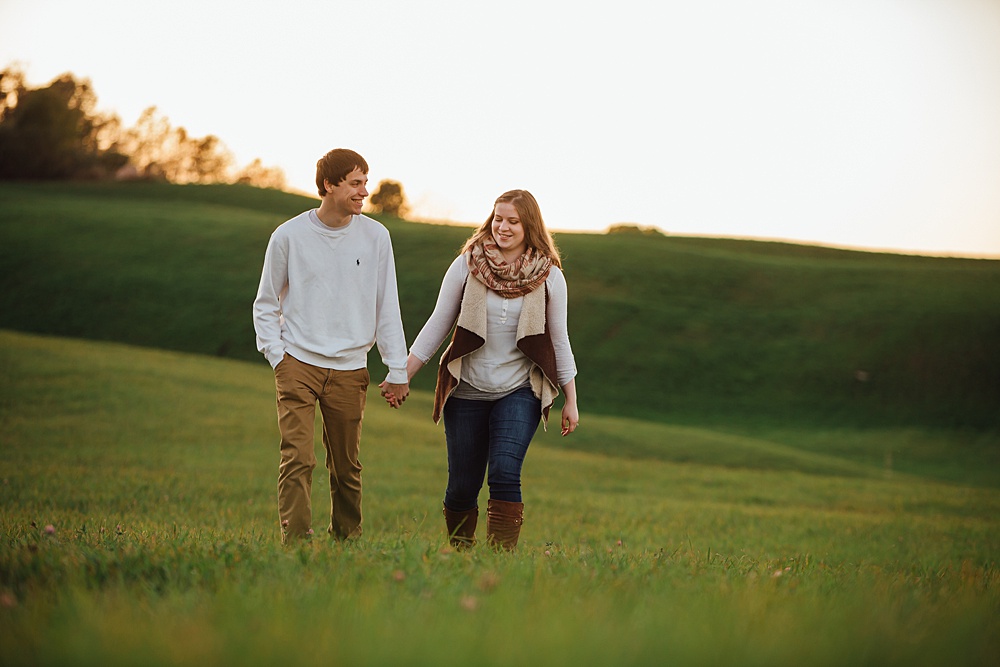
pixel 394 394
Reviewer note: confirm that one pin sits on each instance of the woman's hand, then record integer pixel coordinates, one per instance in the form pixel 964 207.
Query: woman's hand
pixel 395 394
pixel 570 414
pixel 570 418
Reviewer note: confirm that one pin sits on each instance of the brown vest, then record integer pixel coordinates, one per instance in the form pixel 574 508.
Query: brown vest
pixel 533 339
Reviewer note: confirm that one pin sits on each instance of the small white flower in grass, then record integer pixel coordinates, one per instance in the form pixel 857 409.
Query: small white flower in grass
pixel 399 575
pixel 284 524
pixel 777 573
pixel 470 603
pixel 548 553
pixel 50 529
pixel 310 532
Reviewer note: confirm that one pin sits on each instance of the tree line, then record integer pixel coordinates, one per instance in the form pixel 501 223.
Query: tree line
pixel 56 132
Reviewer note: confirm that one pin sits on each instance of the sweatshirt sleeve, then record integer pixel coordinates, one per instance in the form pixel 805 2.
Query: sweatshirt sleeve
pixel 389 336
pixel 445 312
pixel 558 329
pixel 267 305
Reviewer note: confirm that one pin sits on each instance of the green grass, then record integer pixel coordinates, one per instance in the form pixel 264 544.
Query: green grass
pixel 156 471
pixel 737 493
pixel 701 332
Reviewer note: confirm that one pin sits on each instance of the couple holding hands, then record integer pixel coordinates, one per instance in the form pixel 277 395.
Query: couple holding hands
pixel 328 293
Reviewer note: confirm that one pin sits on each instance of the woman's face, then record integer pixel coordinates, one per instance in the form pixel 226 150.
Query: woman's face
pixel 508 231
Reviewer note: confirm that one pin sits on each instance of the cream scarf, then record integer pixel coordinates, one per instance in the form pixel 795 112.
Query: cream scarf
pixel 509 280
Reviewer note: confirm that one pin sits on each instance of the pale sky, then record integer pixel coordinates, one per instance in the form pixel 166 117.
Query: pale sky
pixel 859 123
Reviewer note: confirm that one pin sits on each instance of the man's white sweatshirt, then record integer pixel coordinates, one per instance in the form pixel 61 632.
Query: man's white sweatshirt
pixel 327 295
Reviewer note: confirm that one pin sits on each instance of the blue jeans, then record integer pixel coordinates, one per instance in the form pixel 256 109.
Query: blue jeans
pixel 488 436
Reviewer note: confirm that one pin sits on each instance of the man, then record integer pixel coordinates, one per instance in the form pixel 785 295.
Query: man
pixel 327 294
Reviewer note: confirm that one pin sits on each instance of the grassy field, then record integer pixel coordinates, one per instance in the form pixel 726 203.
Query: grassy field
pixel 788 455
pixel 138 526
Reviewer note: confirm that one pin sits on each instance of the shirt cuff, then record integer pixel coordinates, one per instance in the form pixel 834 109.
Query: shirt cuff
pixel 397 376
pixel 274 357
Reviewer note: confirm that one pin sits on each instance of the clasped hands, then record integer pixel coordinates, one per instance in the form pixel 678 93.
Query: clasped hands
pixel 394 394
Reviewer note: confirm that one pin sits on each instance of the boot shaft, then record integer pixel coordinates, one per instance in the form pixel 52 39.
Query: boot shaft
pixel 503 523
pixel 461 527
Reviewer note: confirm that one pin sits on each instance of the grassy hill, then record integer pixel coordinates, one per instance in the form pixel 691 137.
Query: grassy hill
pixel 736 334
pixel 737 494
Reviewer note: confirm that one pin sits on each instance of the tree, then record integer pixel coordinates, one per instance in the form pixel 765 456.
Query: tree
pixel 389 199
pixel 53 132
pixel 145 143
pixel 258 175
pixel 631 229
pixel 158 150
pixel 11 87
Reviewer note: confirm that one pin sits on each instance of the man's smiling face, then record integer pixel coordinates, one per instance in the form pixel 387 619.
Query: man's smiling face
pixel 348 196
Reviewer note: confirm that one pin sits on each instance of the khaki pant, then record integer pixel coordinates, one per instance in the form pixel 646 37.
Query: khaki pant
pixel 341 396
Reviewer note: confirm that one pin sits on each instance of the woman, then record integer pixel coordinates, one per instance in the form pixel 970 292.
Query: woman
pixel 505 296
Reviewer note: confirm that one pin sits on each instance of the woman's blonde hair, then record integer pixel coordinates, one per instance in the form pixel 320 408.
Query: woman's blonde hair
pixel 535 233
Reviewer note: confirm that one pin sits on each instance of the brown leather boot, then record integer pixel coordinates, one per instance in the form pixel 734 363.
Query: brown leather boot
pixel 461 527
pixel 503 523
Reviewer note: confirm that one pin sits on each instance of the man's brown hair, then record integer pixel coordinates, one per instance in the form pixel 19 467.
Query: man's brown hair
pixel 335 166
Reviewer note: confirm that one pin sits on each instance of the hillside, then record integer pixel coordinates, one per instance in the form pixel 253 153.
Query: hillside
pixel 737 334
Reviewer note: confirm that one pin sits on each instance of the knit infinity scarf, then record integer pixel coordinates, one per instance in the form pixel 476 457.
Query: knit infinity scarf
pixel 512 280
